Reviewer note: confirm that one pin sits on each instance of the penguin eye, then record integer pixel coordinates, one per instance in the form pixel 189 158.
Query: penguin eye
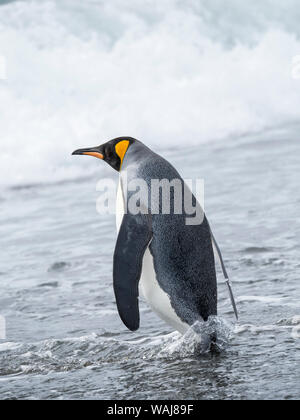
pixel 108 153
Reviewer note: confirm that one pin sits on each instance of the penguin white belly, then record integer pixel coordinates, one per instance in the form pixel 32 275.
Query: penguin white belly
pixel 119 207
pixel 156 298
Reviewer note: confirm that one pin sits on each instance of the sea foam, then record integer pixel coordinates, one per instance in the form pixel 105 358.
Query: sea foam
pixel 169 73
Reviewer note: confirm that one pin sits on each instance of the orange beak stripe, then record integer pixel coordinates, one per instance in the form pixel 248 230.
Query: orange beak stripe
pixel 95 154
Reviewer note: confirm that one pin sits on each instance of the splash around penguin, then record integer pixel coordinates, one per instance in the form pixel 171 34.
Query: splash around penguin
pixel 169 262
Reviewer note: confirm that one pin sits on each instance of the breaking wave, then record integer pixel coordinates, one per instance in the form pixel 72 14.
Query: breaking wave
pixel 79 73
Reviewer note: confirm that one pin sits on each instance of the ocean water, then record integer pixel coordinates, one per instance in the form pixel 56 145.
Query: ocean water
pixel 64 336
pixel 168 72
pixel 210 87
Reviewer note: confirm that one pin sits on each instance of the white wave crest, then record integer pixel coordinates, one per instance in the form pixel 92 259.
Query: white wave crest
pixel 79 73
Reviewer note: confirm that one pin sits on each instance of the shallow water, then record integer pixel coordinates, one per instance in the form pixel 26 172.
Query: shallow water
pixel 64 337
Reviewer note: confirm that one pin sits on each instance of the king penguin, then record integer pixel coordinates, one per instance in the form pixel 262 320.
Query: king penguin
pixel 171 263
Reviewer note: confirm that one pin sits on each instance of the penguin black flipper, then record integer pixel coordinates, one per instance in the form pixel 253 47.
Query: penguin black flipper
pixel 134 237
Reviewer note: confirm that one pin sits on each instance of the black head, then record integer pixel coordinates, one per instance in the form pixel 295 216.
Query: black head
pixel 112 152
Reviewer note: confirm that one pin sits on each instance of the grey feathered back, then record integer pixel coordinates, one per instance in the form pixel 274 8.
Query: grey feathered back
pixel 183 255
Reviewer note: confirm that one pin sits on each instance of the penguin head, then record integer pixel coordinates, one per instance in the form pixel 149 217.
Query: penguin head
pixel 112 152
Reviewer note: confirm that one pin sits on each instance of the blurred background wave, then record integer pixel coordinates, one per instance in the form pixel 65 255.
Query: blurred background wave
pixel 171 73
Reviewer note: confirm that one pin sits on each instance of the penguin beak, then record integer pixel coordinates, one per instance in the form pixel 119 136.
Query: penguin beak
pixel 94 151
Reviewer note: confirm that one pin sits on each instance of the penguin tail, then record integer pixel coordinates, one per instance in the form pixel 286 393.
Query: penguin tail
pixel 214 348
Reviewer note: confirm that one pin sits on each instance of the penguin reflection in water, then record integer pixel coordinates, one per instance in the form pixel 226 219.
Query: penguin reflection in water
pixel 169 260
